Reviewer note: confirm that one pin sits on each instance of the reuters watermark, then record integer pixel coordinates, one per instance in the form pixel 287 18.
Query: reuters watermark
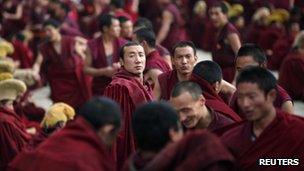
pixel 278 162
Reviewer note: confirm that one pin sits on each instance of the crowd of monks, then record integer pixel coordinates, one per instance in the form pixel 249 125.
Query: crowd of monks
pixel 129 92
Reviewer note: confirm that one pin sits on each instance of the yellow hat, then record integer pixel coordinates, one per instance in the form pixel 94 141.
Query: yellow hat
pixel 5 48
pixel 58 112
pixel 10 89
pixel 278 15
pixel 200 7
pixel 235 10
pixel 260 13
pixel 5 76
pixel 7 66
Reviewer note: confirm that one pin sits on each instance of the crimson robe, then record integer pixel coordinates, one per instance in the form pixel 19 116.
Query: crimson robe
pixel 23 54
pixel 162 50
pixel 129 93
pixel 64 72
pixel 213 100
pixel 77 147
pixel 197 150
pixel 291 75
pixel 154 61
pixel 137 161
pixel 13 136
pixel 167 81
pixel 223 53
pixel 219 121
pixel 254 33
pixel 99 60
pixel 282 96
pixel 282 138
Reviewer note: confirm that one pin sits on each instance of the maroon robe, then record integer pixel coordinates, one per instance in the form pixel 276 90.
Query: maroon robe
pixel 254 33
pixel 76 147
pixel 137 161
pixel 127 91
pixel 155 61
pixel 213 100
pixel 13 136
pixel 198 150
pixel 291 75
pixel 162 50
pixel 177 30
pixel 219 121
pixel 99 60
pixel 282 96
pixel 22 54
pixel 223 53
pixel 166 82
pixel 64 72
pixel 282 138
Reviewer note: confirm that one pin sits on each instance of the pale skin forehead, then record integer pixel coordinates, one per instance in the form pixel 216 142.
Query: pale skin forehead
pixel 129 50
pixel 184 51
pixel 244 61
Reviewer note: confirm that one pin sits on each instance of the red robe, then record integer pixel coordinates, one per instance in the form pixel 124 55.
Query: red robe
pixel 219 121
pixel 99 60
pixel 76 147
pixel 291 75
pixel 167 81
pixel 137 161
pixel 127 91
pixel 155 61
pixel 64 72
pixel 13 136
pixel 22 54
pixel 282 138
pixel 282 96
pixel 223 53
pixel 198 150
pixel 213 100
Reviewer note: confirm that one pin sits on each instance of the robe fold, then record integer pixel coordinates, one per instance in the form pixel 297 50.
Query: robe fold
pixel 22 54
pixel 99 60
pixel 155 61
pixel 76 147
pixel 137 162
pixel 13 136
pixel 64 72
pixel 283 138
pixel 129 93
pixel 167 81
pixel 198 150
pixel 291 75
pixel 213 100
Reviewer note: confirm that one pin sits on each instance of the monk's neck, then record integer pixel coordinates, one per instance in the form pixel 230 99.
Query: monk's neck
pixel 260 125
pixel 182 77
pixel 107 38
pixel 149 50
pixel 206 118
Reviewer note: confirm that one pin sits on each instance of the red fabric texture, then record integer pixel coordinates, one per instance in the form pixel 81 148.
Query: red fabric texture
pixel 13 136
pixel 137 161
pixel 22 54
pixel 99 60
pixel 282 138
pixel 64 72
pixel 167 82
pixel 213 100
pixel 198 150
pixel 155 61
pixel 291 75
pixel 76 147
pixel 129 93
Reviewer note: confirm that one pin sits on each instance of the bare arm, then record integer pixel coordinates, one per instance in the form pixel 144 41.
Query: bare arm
pixel 234 42
pixel 167 19
pixel 156 91
pixel 16 15
pixel 287 106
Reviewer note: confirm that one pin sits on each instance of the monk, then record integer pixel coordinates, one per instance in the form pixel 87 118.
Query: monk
pixel 252 55
pixel 268 133
pixel 183 60
pixel 228 40
pixel 292 70
pixel 126 26
pixel 102 59
pixel 61 60
pixel 208 75
pixel 155 64
pixel 198 150
pixel 13 134
pixel 151 138
pixel 82 145
pixel 129 90
pixel 172 27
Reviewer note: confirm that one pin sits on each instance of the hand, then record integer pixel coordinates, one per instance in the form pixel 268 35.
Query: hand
pixel 116 65
pixel 109 71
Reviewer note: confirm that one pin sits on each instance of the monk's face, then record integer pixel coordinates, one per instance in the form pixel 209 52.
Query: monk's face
pixel 244 61
pixel 189 109
pixel 52 33
pixel 126 29
pixel 253 101
pixel 114 29
pixel 217 16
pixel 134 59
pixel 184 60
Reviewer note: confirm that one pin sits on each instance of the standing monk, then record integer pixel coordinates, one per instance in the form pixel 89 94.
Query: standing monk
pixel 61 60
pixel 129 90
pixel 228 40
pixel 268 132
pixel 103 60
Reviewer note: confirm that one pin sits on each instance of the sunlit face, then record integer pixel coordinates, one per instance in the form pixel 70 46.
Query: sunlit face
pixel 114 29
pixel 218 18
pixel 244 61
pixel 184 60
pixel 253 102
pixel 7 104
pixel 134 59
pixel 127 29
pixel 189 110
pixel 52 33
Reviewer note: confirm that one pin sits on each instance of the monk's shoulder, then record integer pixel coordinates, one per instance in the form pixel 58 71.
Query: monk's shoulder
pixel 233 131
